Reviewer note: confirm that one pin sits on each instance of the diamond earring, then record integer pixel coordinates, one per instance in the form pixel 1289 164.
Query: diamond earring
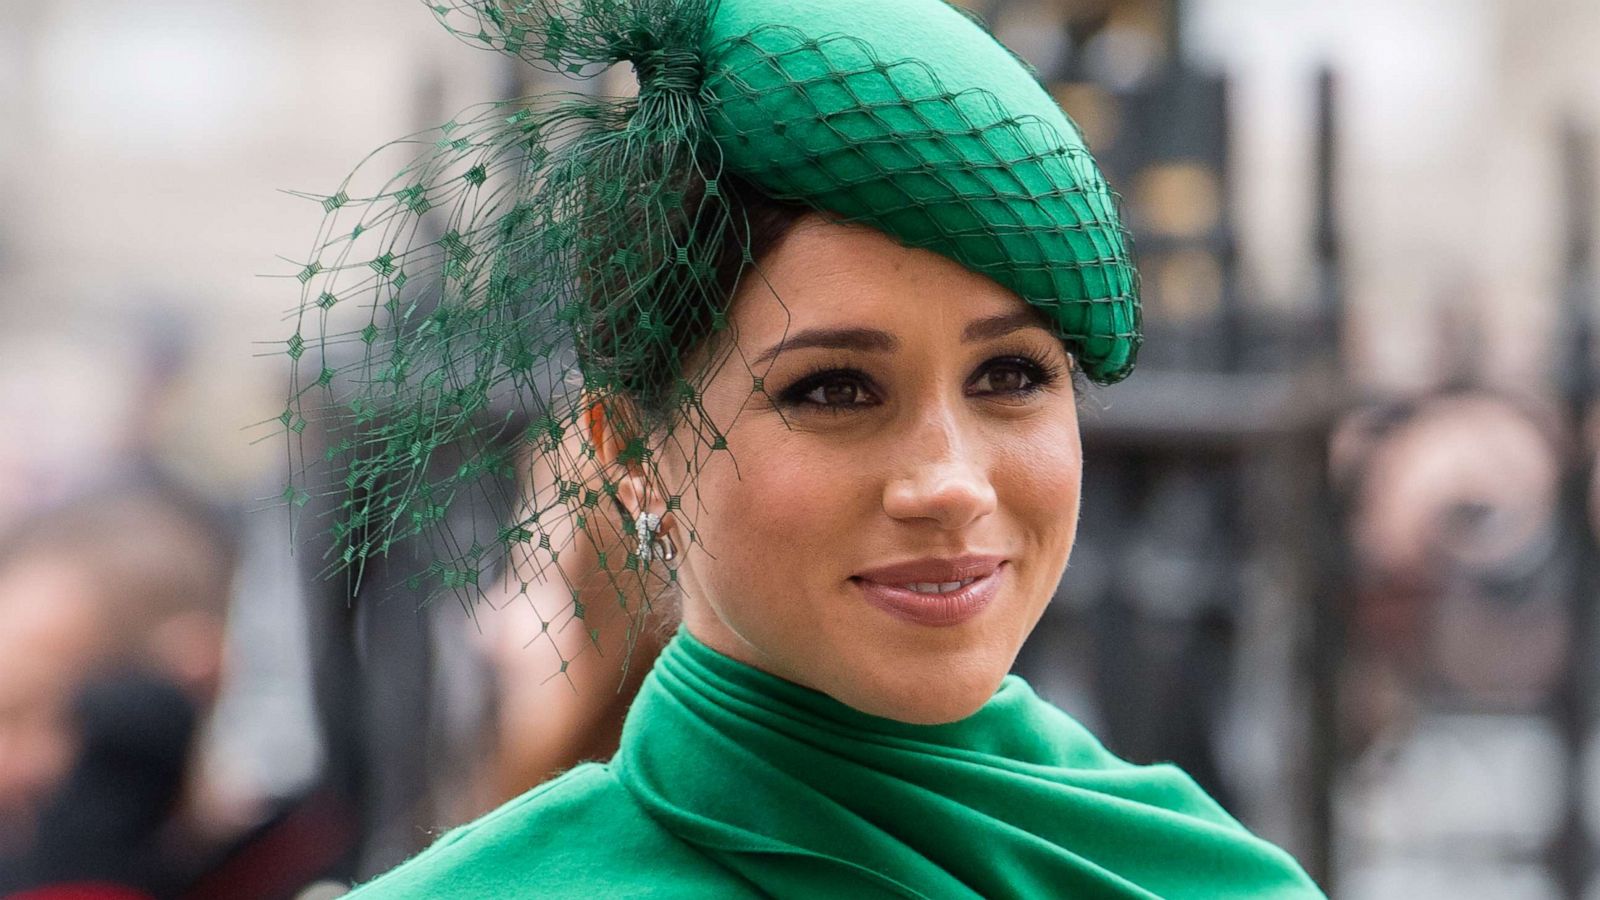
pixel 653 543
pixel 645 527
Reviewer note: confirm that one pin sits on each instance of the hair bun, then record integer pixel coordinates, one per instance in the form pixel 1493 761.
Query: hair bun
pixel 666 70
pixel 579 38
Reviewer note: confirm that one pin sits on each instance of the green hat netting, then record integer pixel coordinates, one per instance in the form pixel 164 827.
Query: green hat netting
pixel 539 256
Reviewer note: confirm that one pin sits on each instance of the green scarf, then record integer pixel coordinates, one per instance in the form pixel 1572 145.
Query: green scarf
pixel 731 781
pixel 803 796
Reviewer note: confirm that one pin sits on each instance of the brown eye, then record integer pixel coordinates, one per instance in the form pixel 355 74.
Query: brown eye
pixel 836 390
pixel 1006 380
pixel 1008 376
pixel 835 393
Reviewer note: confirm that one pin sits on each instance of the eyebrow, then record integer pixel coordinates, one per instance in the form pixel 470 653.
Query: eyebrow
pixel 872 340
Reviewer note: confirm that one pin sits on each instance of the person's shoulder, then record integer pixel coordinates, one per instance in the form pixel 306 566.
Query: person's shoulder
pixel 574 836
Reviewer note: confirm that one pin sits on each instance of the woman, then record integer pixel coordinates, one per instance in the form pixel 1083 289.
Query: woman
pixel 815 303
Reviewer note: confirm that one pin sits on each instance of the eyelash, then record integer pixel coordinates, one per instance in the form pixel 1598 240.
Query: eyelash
pixel 1040 374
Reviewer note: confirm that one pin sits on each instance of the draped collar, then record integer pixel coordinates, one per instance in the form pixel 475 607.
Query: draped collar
pixel 801 795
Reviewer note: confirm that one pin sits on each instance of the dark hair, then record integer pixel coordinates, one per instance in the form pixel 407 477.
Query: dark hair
pixel 688 299
pixel 152 550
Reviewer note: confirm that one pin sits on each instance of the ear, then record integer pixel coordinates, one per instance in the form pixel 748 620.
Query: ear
pixel 619 454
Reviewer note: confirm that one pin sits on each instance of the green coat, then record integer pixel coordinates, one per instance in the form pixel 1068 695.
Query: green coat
pixel 734 783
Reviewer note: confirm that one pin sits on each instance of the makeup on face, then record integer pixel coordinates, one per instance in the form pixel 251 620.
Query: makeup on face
pixel 934 591
pixel 901 490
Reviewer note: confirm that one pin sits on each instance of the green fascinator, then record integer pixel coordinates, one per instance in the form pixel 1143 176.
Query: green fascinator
pixel 460 319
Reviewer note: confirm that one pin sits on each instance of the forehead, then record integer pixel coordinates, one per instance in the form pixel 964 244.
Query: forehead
pixel 828 274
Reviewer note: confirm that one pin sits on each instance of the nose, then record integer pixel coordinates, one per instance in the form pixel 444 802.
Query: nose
pixel 944 481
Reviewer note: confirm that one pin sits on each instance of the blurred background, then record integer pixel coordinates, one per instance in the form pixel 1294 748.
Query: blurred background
pixel 1338 551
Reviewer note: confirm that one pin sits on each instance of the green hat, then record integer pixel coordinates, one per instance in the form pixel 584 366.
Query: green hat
pixel 542 252
pixel 907 116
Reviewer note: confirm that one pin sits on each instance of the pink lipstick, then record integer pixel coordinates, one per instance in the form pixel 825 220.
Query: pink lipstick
pixel 932 591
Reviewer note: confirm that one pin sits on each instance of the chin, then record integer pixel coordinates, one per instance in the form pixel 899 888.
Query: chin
pixel 922 697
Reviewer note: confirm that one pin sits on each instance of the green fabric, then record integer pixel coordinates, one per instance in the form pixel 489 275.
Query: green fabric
pixel 907 116
pixel 581 836
pixel 729 777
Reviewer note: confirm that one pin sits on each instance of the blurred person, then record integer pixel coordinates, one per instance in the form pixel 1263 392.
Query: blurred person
pixel 112 613
pixel 51 631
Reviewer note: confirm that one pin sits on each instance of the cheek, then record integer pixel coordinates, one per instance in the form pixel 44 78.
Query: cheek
pixel 772 513
pixel 1037 478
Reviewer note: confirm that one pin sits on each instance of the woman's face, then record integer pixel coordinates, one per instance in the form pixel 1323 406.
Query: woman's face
pixel 901 488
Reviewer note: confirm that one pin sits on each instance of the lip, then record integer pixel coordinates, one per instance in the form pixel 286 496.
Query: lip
pixel 954 568
pixel 880 587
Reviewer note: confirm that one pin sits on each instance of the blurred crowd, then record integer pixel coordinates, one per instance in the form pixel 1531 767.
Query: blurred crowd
pixel 190 707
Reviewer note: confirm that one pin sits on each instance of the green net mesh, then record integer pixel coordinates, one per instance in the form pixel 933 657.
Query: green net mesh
pixel 955 170
pixel 539 259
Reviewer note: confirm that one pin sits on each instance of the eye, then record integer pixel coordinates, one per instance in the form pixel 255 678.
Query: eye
pixel 838 389
pixel 1010 376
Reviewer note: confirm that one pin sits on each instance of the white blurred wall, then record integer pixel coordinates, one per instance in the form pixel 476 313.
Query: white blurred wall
pixel 1450 110
pixel 143 150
